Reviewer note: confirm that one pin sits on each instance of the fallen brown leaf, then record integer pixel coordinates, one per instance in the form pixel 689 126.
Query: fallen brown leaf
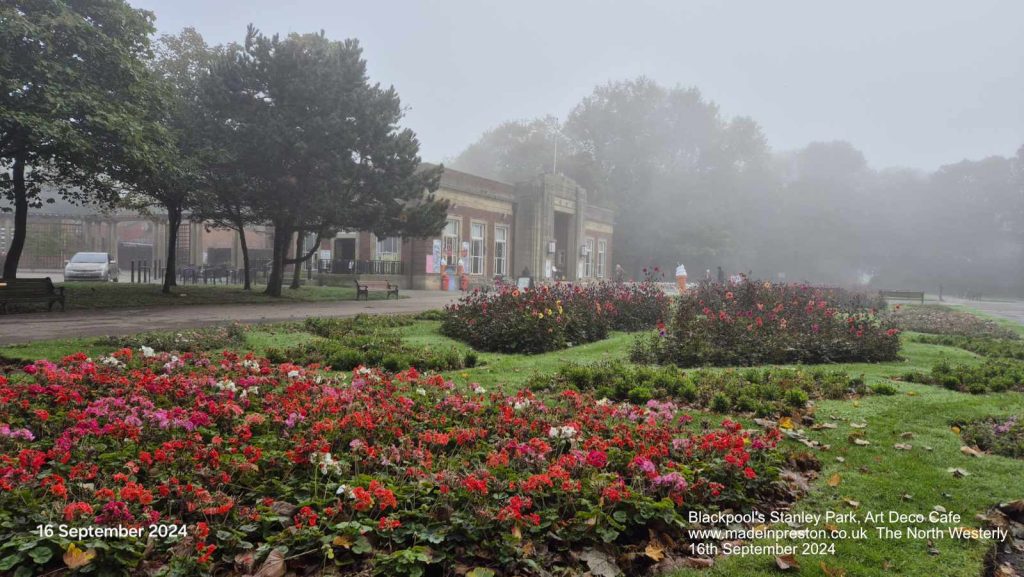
pixel 787 563
pixel 971 451
pixel 832 571
pixel 274 566
pixel 835 480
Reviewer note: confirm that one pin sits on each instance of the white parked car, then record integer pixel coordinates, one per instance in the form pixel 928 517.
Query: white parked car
pixel 91 266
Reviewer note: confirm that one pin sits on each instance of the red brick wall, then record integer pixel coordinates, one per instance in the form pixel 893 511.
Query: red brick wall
pixel 414 251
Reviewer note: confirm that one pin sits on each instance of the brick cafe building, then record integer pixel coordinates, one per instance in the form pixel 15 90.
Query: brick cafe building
pixel 545 226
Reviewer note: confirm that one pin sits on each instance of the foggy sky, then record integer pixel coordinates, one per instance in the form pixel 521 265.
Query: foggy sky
pixel 911 83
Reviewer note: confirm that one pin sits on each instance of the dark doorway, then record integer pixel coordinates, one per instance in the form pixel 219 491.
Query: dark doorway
pixel 563 223
pixel 345 249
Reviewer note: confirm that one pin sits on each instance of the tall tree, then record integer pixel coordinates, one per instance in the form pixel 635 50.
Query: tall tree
pixel 73 100
pixel 517 150
pixel 174 181
pixel 325 148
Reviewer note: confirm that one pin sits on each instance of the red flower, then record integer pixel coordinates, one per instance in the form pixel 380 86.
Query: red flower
pixel 597 459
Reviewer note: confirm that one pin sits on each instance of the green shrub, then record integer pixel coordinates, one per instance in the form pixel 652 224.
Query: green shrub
pixel 994 375
pixel 984 346
pixel 884 388
pixel 762 391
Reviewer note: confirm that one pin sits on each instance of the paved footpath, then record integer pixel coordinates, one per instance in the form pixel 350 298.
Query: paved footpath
pixel 1010 310
pixel 23 328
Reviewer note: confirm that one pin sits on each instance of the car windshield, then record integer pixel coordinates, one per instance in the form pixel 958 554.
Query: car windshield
pixel 93 257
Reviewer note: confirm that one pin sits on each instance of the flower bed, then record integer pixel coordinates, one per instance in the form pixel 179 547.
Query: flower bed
pixel 764 392
pixel 942 320
pixel 371 341
pixel 244 466
pixel 1002 436
pixel 553 317
pixel 753 323
pixel 992 376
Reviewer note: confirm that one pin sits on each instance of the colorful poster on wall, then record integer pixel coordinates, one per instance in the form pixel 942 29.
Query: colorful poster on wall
pixel 431 265
pixel 434 265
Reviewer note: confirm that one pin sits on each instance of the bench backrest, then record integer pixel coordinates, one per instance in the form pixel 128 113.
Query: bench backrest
pixel 374 284
pixel 26 286
pixel 910 294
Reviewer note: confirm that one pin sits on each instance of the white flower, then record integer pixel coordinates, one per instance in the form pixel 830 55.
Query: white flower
pixel 520 405
pixel 566 432
pixel 604 402
pixel 226 385
pixel 344 490
pixel 479 390
pixel 319 379
pixel 251 364
pixel 293 374
pixel 421 391
pixel 326 462
pixel 147 351
pixel 111 362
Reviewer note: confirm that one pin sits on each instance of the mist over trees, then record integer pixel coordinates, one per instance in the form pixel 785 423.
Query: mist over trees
pixel 692 186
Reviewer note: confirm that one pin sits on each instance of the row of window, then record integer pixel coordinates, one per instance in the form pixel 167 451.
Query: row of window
pixel 451 248
pixel 593 265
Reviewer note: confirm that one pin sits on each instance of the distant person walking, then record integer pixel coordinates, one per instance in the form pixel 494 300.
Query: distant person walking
pixel 721 276
pixel 620 274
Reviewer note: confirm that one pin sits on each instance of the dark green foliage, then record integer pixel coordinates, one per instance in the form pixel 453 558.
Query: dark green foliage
pixel 369 341
pixel 994 375
pixel 769 391
pixel 74 97
pixel 984 346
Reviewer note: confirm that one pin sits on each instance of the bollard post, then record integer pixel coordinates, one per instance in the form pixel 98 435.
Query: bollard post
pixel 133 271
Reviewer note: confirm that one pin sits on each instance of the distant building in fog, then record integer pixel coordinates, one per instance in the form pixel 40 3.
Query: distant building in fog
pixel 545 225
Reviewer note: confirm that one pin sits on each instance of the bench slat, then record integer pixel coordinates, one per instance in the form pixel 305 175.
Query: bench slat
pixel 30 290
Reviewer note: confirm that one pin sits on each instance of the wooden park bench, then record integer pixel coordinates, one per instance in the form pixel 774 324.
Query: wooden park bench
pixel 363 287
pixel 28 290
pixel 905 295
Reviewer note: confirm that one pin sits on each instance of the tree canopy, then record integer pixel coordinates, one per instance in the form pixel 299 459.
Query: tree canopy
pixel 324 147
pixel 74 101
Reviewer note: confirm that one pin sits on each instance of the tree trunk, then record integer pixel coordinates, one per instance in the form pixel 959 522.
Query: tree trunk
pixel 297 273
pixel 171 269
pixel 282 236
pixel 20 219
pixel 245 254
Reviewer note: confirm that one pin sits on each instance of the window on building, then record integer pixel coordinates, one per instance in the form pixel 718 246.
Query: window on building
pixel 450 240
pixel 388 248
pixel 477 237
pixel 588 259
pixel 501 250
pixel 602 250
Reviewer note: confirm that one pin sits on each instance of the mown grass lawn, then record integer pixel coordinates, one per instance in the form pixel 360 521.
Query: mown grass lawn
pixel 878 477
pixel 88 296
